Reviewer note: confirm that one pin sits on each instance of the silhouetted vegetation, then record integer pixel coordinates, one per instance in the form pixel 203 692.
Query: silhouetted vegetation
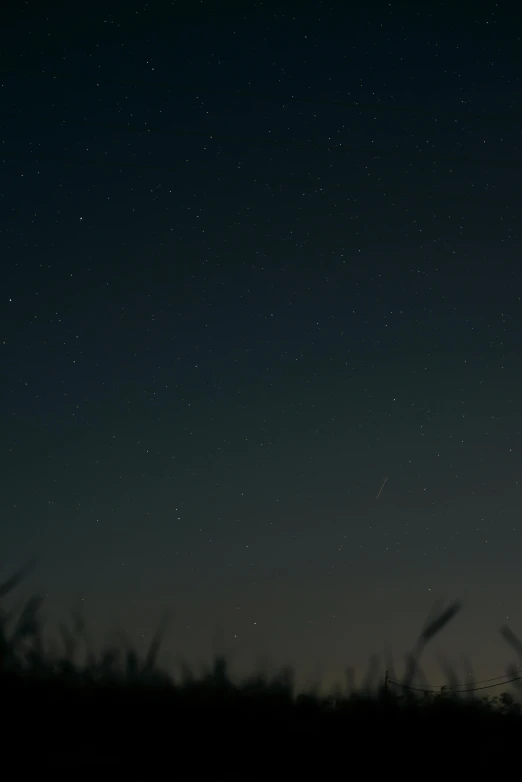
pixel 113 707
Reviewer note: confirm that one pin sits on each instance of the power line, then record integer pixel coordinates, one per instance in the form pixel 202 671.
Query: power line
pixel 481 681
pixel 473 689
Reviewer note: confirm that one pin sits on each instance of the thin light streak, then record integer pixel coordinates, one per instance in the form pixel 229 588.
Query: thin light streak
pixel 382 487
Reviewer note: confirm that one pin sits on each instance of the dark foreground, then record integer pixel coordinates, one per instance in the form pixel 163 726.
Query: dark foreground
pixel 115 713
pixel 224 732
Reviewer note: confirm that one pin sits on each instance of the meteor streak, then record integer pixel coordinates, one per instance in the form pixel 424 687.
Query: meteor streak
pixel 382 487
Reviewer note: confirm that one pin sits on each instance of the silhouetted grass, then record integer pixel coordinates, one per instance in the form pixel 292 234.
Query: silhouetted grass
pixel 112 706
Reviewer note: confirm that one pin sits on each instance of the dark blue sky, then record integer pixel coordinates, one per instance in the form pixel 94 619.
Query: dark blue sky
pixel 256 259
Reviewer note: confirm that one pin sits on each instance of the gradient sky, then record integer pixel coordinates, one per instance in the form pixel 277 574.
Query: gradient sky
pixel 255 260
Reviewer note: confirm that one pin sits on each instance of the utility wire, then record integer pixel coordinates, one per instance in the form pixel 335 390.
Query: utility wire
pixel 473 689
pixel 481 681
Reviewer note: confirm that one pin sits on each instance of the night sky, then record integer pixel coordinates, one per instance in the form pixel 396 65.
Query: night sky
pixel 256 258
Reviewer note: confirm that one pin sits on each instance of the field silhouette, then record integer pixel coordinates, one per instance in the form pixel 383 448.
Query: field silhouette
pixel 118 711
